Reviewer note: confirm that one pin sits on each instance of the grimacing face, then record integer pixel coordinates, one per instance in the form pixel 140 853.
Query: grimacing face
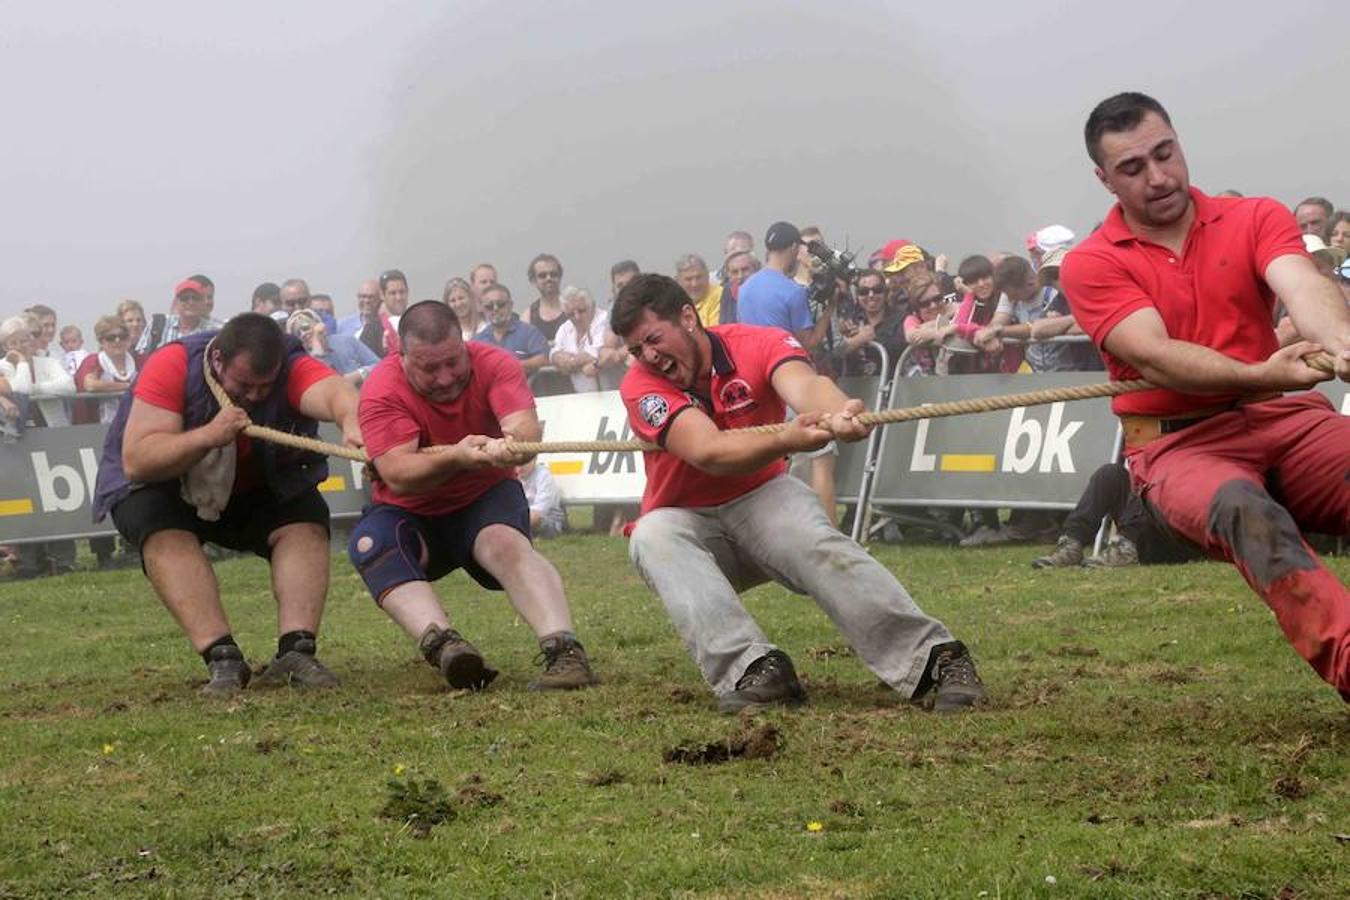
pixel 667 348
pixel 438 371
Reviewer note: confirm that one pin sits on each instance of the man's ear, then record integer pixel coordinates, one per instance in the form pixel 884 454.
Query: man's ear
pixel 1101 176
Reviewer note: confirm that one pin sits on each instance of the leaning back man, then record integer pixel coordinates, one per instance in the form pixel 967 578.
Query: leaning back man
pixel 177 471
pixel 1180 288
pixel 720 513
pixel 462 507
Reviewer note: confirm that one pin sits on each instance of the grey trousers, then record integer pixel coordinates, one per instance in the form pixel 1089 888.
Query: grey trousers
pixel 698 560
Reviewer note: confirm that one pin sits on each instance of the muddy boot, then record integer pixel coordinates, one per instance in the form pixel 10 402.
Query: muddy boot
pixel 459 662
pixel 229 673
pixel 955 685
pixel 1118 553
pixel 565 665
pixel 1068 552
pixel 769 679
pixel 297 669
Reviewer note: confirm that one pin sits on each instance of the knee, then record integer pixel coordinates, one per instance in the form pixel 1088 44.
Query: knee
pixel 655 536
pixel 1260 533
pixel 386 554
pixel 501 547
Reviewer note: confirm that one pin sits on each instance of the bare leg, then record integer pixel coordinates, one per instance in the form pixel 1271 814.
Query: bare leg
pixel 182 577
pixel 532 584
pixel 414 606
pixel 299 575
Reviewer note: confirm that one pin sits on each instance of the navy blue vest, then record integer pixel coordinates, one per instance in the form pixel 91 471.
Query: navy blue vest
pixel 288 472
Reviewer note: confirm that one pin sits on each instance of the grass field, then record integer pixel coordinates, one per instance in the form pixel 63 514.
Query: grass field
pixel 1150 735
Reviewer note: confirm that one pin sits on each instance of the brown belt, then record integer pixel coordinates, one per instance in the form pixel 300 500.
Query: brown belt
pixel 1141 430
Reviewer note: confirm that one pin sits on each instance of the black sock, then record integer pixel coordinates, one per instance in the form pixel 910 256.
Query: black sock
pixel 288 641
pixel 226 641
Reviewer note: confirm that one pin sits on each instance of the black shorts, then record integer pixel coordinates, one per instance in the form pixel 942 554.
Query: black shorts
pixel 391 546
pixel 245 524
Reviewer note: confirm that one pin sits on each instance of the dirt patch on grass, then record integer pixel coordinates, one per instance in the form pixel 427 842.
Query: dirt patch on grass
pixel 750 742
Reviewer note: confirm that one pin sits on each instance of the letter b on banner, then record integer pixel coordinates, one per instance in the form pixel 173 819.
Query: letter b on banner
pixel 1051 446
pixel 60 488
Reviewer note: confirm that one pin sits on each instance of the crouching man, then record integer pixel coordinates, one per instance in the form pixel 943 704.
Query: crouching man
pixel 433 513
pixel 720 514
pixel 177 470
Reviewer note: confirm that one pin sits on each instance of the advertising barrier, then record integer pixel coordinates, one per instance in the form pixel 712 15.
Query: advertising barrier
pixel 1036 457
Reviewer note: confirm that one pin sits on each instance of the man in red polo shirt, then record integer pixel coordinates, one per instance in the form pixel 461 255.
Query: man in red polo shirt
pixel 1180 288
pixel 433 513
pixel 720 513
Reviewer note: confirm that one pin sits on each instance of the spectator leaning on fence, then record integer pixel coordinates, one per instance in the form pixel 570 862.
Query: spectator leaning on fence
pixel 585 348
pixel 177 471
pixel 926 326
pixel 189 303
pixel 42 379
pixel 110 372
pixel 342 353
pixel 875 323
pixel 506 330
pixel 720 514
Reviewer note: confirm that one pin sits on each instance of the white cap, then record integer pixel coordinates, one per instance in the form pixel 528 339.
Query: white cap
pixel 1052 236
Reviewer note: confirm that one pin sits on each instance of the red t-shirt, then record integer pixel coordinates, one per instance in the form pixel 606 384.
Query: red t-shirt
pixel 163 382
pixel 740 394
pixel 392 414
pixel 1213 294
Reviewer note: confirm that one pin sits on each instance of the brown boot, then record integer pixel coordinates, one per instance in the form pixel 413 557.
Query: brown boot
pixel 565 665
pixel 459 661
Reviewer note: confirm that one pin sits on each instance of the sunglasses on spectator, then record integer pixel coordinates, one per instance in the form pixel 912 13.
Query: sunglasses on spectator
pixel 931 301
pixel 865 291
pixel 367 296
pixel 116 336
pixel 496 304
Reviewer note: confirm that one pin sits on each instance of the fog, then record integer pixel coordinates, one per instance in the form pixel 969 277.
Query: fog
pixel 256 142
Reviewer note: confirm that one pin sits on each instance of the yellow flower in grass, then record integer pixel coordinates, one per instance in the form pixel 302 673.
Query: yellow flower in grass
pixel 399 768
pixel 815 827
pixel 108 749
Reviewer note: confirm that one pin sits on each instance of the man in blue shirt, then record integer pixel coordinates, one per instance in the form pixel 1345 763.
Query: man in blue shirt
pixel 770 296
pixel 506 330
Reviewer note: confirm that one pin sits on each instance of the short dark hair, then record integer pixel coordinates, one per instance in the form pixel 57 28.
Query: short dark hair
pixel 543 257
pixel 498 288
pixel 1323 202
pixel 973 268
pixel 1011 270
pixel 255 334
pixel 389 275
pixel 1119 113
pixel 40 310
pixel 430 321
pixel 623 266
pixel 202 280
pixel 866 273
pixel 659 293
pixel 268 290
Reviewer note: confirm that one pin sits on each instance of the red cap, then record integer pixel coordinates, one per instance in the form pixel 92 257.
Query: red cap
pixel 189 285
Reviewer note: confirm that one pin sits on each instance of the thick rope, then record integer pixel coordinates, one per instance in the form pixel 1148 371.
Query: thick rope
pixel 1320 361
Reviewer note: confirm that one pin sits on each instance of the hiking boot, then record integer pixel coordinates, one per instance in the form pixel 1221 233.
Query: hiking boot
pixel 228 672
pixel 565 666
pixel 984 536
pixel 955 683
pixel 1118 553
pixel 1068 552
pixel 297 669
pixel 769 679
pixel 460 663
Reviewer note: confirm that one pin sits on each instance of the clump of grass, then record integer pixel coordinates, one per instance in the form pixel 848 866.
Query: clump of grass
pixel 419 805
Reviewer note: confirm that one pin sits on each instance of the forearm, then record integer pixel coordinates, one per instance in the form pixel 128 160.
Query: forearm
pixel 416 473
pixel 95 385
pixel 740 453
pixel 533 364
pixel 1196 369
pixel 161 456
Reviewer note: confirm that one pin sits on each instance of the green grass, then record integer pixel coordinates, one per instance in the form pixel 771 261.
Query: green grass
pixel 1151 734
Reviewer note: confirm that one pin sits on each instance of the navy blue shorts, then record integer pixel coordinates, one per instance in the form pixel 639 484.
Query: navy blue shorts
pixel 391 546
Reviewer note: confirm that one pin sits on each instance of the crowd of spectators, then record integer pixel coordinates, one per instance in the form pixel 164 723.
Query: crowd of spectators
pixel 907 310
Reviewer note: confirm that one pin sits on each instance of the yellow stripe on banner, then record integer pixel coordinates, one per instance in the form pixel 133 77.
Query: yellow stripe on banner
pixel 16 507
pixel 967 462
pixel 566 467
pixel 333 483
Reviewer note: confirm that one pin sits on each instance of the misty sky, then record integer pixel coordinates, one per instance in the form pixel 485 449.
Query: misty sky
pixel 258 141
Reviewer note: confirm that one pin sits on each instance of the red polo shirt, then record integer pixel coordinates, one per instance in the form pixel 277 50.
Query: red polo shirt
pixel 740 394
pixel 392 414
pixel 1214 293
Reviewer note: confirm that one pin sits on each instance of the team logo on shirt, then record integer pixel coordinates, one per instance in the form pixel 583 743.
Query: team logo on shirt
pixel 653 409
pixel 792 342
pixel 736 396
